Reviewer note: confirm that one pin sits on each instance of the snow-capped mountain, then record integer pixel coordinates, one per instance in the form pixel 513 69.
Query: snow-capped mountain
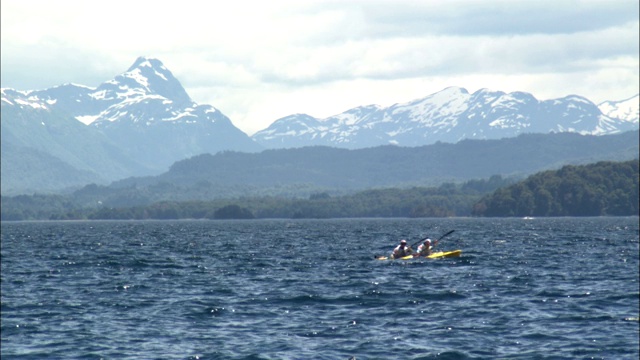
pixel 450 115
pixel 139 123
pixel 627 110
pixel 147 112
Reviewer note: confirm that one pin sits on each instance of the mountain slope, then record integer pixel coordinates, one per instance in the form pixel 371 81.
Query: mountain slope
pixel 29 169
pixel 308 169
pixel 38 141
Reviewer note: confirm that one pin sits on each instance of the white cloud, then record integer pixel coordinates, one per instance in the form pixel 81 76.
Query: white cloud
pixel 258 61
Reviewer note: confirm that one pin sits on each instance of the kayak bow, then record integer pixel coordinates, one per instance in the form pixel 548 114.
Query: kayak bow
pixel 445 254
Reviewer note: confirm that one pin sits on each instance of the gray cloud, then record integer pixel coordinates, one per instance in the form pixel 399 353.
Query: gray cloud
pixel 51 63
pixel 496 18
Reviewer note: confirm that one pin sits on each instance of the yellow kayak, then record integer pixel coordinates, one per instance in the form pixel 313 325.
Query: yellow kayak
pixel 434 255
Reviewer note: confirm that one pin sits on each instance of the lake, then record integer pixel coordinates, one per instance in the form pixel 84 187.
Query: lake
pixel 547 288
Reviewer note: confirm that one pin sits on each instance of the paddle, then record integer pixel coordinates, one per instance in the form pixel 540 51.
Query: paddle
pixel 446 234
pixel 435 242
pixel 418 242
pixel 438 239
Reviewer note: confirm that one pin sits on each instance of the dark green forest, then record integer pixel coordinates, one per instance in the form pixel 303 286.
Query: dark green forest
pixel 599 189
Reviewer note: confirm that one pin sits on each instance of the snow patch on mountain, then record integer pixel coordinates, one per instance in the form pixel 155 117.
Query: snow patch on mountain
pixel 33 104
pixel 627 109
pixel 12 97
pixel 87 119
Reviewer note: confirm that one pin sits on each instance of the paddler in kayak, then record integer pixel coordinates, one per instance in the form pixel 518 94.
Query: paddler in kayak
pixel 401 250
pixel 425 248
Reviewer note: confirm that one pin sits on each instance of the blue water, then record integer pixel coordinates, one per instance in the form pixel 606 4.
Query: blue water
pixel 557 288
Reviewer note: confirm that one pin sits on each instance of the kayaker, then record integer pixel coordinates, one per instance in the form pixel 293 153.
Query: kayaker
pixel 425 248
pixel 401 250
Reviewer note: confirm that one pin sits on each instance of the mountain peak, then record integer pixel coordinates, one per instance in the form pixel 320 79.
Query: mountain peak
pixel 454 90
pixel 153 78
pixel 142 61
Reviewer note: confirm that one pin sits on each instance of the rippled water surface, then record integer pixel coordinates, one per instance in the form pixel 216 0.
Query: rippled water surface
pixel 558 288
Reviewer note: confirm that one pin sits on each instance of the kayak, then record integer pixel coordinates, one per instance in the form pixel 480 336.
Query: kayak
pixel 434 255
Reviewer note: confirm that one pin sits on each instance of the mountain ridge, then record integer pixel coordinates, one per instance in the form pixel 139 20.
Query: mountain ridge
pixel 450 115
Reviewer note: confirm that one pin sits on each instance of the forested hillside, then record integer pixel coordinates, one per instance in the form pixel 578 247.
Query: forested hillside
pixel 599 189
pixel 304 171
pixel 604 188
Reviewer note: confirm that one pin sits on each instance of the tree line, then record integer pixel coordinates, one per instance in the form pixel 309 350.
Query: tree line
pixel 599 189
pixel 446 200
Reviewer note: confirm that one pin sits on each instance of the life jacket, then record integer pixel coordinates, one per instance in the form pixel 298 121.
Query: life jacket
pixel 400 251
pixel 423 251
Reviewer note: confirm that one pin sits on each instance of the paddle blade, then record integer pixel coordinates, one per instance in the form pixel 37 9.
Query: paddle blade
pixel 447 234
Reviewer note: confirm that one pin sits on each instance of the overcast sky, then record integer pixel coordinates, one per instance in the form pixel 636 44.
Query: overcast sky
pixel 257 61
